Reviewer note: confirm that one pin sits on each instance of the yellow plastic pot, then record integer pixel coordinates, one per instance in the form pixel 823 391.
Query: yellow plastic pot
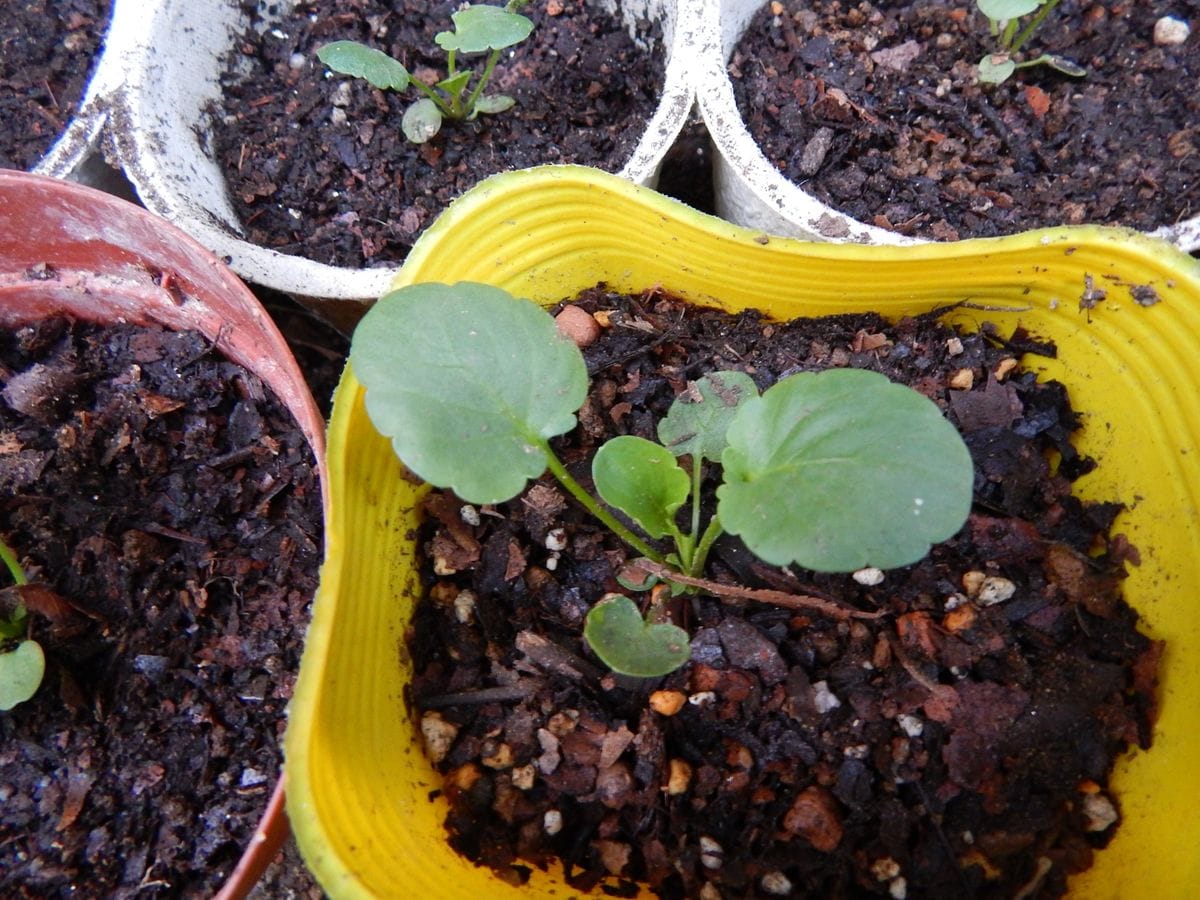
pixel 358 784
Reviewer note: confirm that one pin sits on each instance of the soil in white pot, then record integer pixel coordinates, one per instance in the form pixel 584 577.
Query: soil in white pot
pixel 317 165
pixel 48 49
pixel 875 110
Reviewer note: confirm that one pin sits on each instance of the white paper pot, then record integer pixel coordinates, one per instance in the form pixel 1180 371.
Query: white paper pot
pixel 161 138
pixel 748 189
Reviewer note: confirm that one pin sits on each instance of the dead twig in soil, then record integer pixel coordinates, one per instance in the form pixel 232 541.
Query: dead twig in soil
pixel 502 694
pixel 775 598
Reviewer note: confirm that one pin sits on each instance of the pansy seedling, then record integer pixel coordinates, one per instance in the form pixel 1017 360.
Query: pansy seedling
pixel 833 471
pixel 22 663
pixel 477 29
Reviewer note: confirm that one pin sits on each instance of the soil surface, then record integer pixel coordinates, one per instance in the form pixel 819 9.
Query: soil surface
pixel 317 165
pixel 956 745
pixel 47 51
pixel 875 110
pixel 173 505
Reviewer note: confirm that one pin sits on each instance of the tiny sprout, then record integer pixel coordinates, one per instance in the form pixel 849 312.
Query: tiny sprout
pixel 22 663
pixel 477 29
pixel 835 471
pixel 1004 22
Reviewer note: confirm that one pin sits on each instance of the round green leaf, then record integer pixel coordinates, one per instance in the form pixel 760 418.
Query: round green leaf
pixel 995 68
pixel 698 419
pixel 361 61
pixel 469 383
pixel 628 644
pixel 421 121
pixel 481 28
pixel 21 672
pixel 1004 10
pixel 641 479
pixel 843 469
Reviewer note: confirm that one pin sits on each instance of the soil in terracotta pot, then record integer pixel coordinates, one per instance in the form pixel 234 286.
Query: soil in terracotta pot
pixel 957 745
pixel 169 499
pixel 47 52
pixel 317 165
pixel 875 110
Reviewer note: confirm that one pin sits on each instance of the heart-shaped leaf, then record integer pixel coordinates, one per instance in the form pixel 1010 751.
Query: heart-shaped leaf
pixel 995 68
pixel 698 419
pixel 469 383
pixel 630 645
pixel 641 479
pixel 361 61
pixel 480 28
pixel 21 672
pixel 1002 10
pixel 843 469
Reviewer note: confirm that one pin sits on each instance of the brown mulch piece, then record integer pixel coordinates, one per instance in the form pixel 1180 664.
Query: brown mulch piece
pixel 317 165
pixel 959 745
pixel 47 51
pixel 873 109
pixel 171 500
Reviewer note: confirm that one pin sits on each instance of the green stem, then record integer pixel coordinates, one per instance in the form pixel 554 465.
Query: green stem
pixel 13 566
pixel 559 471
pixel 456 108
pixel 434 96
pixel 493 58
pixel 697 462
pixel 700 557
pixel 1029 29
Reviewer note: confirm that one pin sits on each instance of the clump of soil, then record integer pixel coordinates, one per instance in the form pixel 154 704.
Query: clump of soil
pixel 317 165
pixel 47 51
pixel 173 504
pixel 957 745
pixel 875 110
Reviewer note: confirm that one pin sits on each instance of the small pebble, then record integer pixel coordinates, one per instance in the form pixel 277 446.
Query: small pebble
pixel 1099 812
pixel 869 577
pixel 464 606
pixel 898 889
pixel 910 725
pixel 297 61
pixel 824 698
pixel 439 735
pixel 667 703
pixel 578 325
pixel 556 540
pixel 552 822
pixel 776 884
pixel 1171 32
pixel 885 869
pixel 962 380
pixel 995 590
pixel 469 514
pixel 702 698
pixel 679 777
pixel 712 854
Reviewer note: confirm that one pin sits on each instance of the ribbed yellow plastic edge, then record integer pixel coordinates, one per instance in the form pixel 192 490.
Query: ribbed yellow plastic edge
pixel 358 785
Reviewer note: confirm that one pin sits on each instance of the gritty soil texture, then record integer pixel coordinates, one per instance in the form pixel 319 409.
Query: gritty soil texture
pixel 47 51
pixel 317 165
pixel 173 505
pixel 874 109
pixel 958 745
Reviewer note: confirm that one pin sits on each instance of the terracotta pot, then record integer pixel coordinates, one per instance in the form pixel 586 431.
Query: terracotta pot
pixel 749 189
pixel 360 785
pixel 113 262
pixel 162 141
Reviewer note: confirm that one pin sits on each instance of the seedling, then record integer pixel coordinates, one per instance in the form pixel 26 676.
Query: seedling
pixel 1004 21
pixel 833 471
pixel 22 662
pixel 477 29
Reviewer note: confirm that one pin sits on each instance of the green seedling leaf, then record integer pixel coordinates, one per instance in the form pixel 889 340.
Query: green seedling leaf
pixel 455 84
pixel 478 29
pixel 21 672
pixel 1004 10
pixel 630 645
pixel 14 626
pixel 634 577
pixel 1059 64
pixel 698 419
pixel 843 469
pixel 421 121
pixel 493 103
pixel 469 384
pixel 995 68
pixel 641 479
pixel 361 61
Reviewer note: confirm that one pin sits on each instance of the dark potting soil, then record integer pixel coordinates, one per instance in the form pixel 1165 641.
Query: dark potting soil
pixel 317 165
pixel 169 499
pixel 958 745
pixel 874 109
pixel 47 52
